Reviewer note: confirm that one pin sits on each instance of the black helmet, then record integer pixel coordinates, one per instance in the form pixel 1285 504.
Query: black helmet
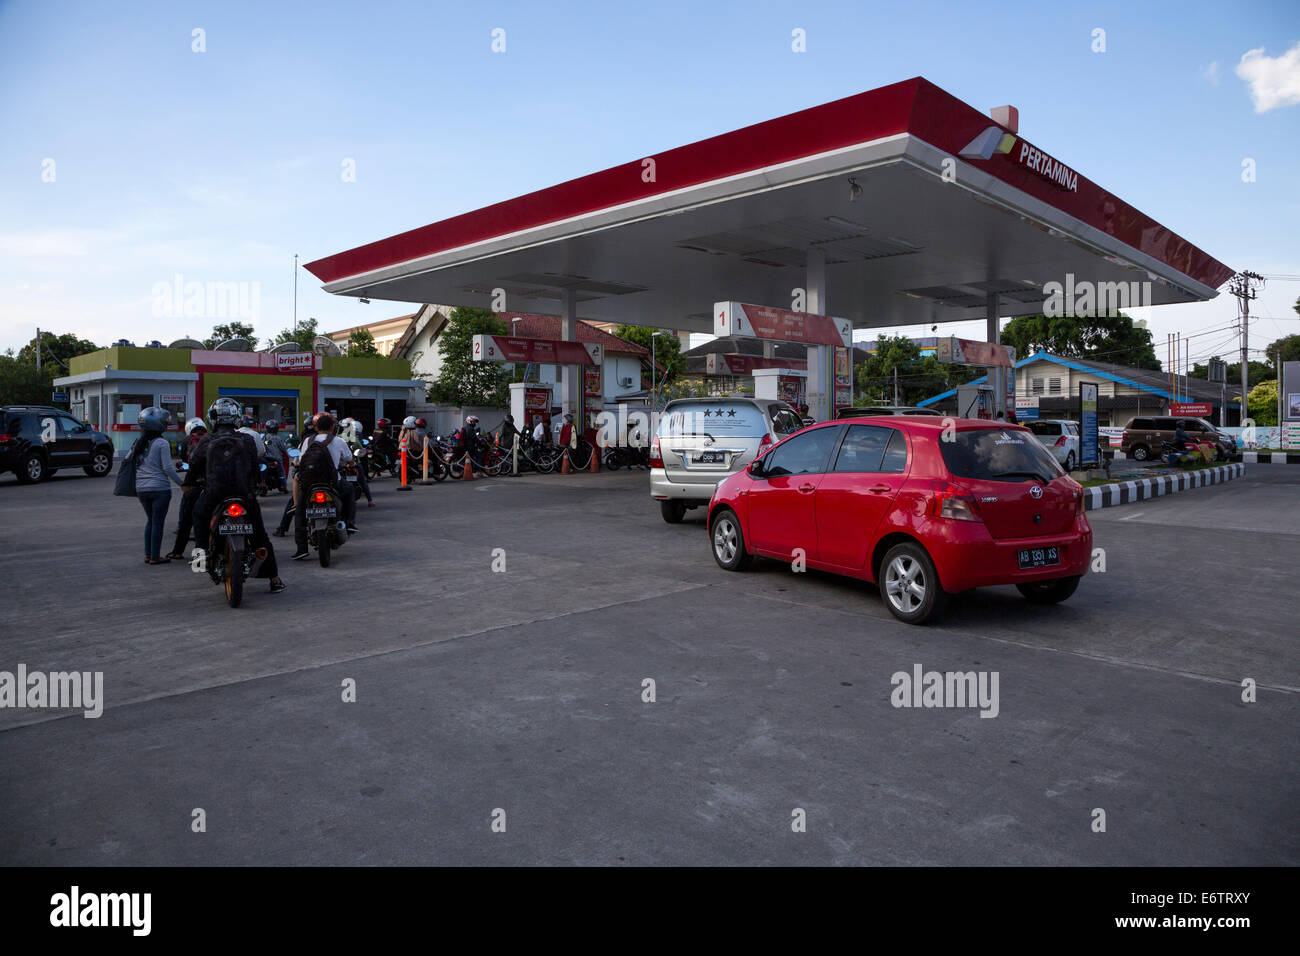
pixel 247 421
pixel 272 425
pixel 225 411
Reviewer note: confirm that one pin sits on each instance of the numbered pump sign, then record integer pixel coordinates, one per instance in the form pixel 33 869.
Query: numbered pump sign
pixel 1089 451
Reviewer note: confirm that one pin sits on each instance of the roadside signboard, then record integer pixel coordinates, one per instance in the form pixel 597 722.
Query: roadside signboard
pixel 1088 450
pixel 1027 413
pixel 505 348
pixel 726 363
pixel 294 361
pixel 780 325
pixel 59 397
pixel 1191 409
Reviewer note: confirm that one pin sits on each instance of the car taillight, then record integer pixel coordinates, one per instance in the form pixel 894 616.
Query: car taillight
pixel 235 510
pixel 763 445
pixel 1060 442
pixel 950 501
pixel 656 454
pixel 319 497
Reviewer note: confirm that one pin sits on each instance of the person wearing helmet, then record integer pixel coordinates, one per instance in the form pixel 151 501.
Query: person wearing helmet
pixel 195 430
pixel 382 447
pixel 247 426
pixel 154 475
pixel 226 461
pixel 508 433
pixel 277 455
pixel 326 430
pixel 414 435
pixel 467 441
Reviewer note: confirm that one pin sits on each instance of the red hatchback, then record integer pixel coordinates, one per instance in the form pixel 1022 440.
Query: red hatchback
pixel 924 506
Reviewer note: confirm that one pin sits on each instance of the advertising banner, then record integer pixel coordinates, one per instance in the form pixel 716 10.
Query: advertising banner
pixel 781 325
pixel 591 381
pixel 843 377
pixel 954 351
pixel 503 348
pixel 1089 453
pixel 1191 409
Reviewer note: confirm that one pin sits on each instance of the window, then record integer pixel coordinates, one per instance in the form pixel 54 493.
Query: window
pixel 67 427
pixel 127 408
pixel 784 421
pixel 1044 428
pixel 1054 386
pixel 1035 386
pixel 803 454
pixel 992 455
pixel 863 448
pixel 895 462
pixel 1142 424
pixel 731 419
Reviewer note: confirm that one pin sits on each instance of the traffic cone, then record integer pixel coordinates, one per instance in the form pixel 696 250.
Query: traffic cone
pixel 468 473
pixel 564 464
pixel 595 460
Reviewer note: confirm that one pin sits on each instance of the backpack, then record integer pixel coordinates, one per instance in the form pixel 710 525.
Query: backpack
pixel 316 465
pixel 227 470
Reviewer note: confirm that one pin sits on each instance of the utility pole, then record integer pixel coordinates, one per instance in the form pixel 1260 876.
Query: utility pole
pixel 1243 286
pixel 895 385
pixel 295 296
pixel 38 350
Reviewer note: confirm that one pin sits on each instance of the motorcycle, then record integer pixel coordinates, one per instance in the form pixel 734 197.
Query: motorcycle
pixel 326 529
pixel 229 561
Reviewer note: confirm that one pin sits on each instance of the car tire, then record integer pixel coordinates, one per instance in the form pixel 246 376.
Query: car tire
pixel 32 469
pixel 1069 462
pixel 727 542
pixel 673 511
pixel 101 463
pixel 904 568
pixel 1049 592
pixel 1141 453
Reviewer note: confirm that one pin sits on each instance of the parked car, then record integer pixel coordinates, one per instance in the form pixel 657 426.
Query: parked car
pixel 886 410
pixel 38 440
pixel 1144 437
pixel 892 501
pixel 700 441
pixel 1060 437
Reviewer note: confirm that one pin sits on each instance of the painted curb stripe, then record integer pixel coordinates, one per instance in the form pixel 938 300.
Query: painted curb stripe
pixel 1127 492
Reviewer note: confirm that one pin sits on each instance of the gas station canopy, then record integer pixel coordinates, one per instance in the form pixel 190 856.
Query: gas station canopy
pixel 920 207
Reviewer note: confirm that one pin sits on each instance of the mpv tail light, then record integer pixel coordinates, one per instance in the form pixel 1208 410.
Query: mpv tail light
pixel 952 501
pixel 763 446
pixel 656 454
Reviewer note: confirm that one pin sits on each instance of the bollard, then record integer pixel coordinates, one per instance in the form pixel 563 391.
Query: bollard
pixel 404 486
pixel 424 467
pixel 514 466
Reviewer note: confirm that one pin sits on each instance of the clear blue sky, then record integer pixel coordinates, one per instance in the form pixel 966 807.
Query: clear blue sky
pixel 221 165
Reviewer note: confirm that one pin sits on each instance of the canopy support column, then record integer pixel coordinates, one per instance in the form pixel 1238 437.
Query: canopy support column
pixel 818 355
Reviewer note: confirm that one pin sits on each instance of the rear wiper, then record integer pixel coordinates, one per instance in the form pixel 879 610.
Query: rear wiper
pixel 1023 474
pixel 683 434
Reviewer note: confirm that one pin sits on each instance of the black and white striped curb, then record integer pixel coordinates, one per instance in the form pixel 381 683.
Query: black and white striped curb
pixel 1140 489
pixel 1270 457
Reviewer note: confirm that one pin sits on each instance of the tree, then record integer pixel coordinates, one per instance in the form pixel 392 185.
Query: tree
pixel 232 330
pixel 1288 346
pixel 462 380
pixel 1261 403
pixel 1113 339
pixel 304 336
pixel 919 377
pixel 362 343
pixel 55 348
pixel 21 384
pixel 667 348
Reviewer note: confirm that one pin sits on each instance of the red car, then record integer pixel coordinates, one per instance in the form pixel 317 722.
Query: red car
pixel 924 506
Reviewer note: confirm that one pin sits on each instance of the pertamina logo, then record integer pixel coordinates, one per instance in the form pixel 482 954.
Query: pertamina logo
pixel 996 140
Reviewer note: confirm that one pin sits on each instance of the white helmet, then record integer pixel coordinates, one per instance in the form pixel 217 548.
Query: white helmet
pixel 471 419
pixel 194 423
pixel 408 421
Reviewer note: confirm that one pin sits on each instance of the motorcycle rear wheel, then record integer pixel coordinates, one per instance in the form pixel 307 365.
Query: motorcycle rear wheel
pixel 234 575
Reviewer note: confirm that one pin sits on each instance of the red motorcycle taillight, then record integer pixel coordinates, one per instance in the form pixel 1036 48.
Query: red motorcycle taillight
pixel 950 501
pixel 656 454
pixel 319 497
pixel 235 510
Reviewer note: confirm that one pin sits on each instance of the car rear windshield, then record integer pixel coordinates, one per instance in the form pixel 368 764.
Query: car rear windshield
pixel 997 455
pixel 738 419
pixel 1044 428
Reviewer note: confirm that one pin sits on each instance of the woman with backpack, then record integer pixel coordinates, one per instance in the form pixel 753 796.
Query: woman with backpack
pixel 154 471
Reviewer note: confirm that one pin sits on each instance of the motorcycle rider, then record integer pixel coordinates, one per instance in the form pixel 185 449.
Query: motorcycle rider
pixel 234 474
pixel 290 506
pixel 351 432
pixel 469 437
pixel 382 446
pixel 277 453
pixel 326 430
pixel 246 427
pixel 195 430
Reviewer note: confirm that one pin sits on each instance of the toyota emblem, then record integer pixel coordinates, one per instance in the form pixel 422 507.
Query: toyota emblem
pixel 1036 492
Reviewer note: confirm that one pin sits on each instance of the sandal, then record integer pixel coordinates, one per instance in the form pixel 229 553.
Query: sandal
pixel 174 556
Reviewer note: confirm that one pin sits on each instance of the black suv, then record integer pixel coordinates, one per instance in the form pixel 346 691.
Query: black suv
pixel 38 440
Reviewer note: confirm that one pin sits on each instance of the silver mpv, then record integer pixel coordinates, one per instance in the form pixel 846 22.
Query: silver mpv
pixel 700 441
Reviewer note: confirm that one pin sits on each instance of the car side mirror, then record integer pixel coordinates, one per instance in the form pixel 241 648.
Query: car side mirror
pixel 756 468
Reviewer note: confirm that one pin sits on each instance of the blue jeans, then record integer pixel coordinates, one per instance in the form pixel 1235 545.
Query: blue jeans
pixel 155 504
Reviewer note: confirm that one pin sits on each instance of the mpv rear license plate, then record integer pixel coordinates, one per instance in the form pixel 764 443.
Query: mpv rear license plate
pixel 229 528
pixel 709 458
pixel 1038 557
pixel 320 513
